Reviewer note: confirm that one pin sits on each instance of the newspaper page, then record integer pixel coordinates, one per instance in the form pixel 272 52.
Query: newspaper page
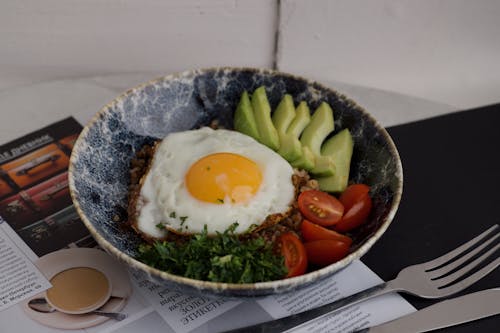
pixel 356 277
pixel 183 312
pixel 42 237
pixel 43 242
pixel 19 279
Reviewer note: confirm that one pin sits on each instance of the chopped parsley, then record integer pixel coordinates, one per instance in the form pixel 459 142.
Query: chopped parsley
pixel 172 215
pixel 221 201
pixel 160 226
pixel 221 258
pixel 183 219
pixel 252 227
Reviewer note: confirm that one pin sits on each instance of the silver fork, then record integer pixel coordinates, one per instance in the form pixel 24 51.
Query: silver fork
pixel 441 277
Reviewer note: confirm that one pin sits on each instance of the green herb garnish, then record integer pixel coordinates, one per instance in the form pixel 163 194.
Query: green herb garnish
pixel 160 226
pixel 172 215
pixel 183 219
pixel 252 227
pixel 221 201
pixel 221 258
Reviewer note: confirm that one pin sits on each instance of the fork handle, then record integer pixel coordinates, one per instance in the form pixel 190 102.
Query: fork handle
pixel 301 318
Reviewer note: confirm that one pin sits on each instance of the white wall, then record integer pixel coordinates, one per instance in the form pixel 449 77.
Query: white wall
pixel 441 50
pixel 52 39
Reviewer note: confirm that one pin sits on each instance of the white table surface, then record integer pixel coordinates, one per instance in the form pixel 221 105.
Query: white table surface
pixel 28 108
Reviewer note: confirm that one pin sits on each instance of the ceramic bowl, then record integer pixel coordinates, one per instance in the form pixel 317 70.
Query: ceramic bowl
pixel 99 165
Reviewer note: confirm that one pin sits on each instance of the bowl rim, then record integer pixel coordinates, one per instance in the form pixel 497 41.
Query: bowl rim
pixel 281 285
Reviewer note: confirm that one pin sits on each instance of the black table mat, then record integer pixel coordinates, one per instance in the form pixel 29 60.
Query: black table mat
pixel 451 167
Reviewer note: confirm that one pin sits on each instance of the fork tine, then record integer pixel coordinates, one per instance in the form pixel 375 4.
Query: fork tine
pixel 468 281
pixel 454 253
pixel 464 270
pixel 437 273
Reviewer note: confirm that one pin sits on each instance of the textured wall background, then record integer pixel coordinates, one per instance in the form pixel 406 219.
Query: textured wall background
pixel 442 50
pixel 54 39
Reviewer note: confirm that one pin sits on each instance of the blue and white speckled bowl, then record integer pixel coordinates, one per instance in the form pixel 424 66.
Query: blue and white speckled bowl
pixel 99 166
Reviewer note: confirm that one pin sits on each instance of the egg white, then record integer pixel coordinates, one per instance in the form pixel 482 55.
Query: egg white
pixel 165 199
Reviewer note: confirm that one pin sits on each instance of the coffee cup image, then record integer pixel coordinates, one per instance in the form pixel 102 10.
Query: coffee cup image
pixel 88 287
pixel 78 290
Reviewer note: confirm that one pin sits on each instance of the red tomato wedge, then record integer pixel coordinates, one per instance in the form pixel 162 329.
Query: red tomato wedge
pixel 311 232
pixel 325 251
pixel 320 207
pixel 295 254
pixel 356 199
pixel 352 194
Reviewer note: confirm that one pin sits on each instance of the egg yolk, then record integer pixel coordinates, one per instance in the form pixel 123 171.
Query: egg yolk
pixel 223 176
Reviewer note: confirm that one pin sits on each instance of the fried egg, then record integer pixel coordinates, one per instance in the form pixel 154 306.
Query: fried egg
pixel 212 178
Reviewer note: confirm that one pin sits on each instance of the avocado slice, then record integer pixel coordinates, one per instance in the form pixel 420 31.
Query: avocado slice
pixel 268 135
pixel 324 166
pixel 302 118
pixel 290 147
pixel 318 129
pixel 284 114
pixel 244 120
pixel 306 161
pixel 314 134
pixel 340 148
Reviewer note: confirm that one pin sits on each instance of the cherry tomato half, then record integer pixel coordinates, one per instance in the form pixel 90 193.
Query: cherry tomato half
pixel 320 207
pixel 325 251
pixel 295 254
pixel 352 194
pixel 311 232
pixel 359 204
